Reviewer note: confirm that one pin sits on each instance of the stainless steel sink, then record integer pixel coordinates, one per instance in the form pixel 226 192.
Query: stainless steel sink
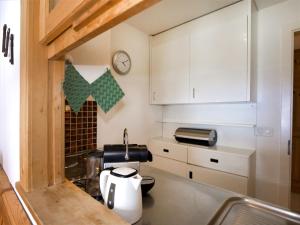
pixel 246 211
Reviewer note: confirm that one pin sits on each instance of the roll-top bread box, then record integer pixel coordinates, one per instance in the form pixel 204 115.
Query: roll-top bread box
pixel 206 137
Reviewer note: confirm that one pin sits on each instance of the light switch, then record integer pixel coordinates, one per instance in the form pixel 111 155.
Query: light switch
pixel 264 131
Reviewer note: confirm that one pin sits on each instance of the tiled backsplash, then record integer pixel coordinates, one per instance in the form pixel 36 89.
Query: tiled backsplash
pixel 81 128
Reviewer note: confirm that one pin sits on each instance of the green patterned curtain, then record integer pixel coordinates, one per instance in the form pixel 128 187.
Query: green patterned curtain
pixel 105 90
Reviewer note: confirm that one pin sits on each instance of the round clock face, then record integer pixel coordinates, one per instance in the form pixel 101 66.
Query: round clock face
pixel 121 62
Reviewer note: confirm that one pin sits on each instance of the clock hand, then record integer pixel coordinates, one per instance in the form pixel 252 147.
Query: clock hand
pixel 124 62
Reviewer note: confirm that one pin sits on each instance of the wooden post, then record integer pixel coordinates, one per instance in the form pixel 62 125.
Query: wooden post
pixel 34 100
pixel 56 122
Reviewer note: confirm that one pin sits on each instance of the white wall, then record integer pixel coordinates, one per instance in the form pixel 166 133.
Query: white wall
pixel 133 111
pixel 10 12
pixel 234 122
pixel 10 94
pixel 94 52
pixel 270 23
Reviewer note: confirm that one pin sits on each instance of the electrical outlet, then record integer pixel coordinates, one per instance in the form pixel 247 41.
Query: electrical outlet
pixel 264 131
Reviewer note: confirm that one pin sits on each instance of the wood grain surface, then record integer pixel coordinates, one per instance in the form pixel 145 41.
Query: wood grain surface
pixel 11 210
pixel 66 204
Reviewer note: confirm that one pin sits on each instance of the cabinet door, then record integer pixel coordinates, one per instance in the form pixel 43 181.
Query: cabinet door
pixel 169 165
pixel 226 162
pixel 170 67
pixel 218 44
pixel 168 150
pixel 220 179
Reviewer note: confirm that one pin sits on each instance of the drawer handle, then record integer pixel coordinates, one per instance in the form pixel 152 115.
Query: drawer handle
pixel 166 150
pixel 190 174
pixel 214 160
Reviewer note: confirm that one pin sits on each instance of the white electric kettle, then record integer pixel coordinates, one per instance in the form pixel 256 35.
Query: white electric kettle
pixel 121 191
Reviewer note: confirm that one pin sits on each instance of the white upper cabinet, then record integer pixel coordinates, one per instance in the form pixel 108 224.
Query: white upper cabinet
pixel 170 67
pixel 206 60
pixel 218 57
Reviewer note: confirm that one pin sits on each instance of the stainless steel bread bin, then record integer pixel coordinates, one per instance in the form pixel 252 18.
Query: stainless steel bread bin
pixel 204 137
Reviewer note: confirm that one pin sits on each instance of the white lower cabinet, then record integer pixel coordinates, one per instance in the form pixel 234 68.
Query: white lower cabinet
pixel 169 165
pixel 229 168
pixel 169 150
pixel 220 179
pixel 219 160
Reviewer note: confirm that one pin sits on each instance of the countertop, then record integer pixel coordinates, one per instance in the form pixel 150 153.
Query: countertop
pixel 173 200
pixel 176 200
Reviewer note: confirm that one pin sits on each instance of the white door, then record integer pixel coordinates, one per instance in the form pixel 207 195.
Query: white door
pixel 170 67
pixel 219 60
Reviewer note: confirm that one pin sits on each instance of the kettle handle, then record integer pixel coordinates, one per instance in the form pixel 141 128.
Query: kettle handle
pixel 103 180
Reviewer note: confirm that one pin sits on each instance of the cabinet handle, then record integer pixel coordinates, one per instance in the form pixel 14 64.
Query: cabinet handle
pixel 6 43
pixel 11 60
pixel 214 160
pixel 166 150
pixel 193 92
pixel 4 37
pixel 190 174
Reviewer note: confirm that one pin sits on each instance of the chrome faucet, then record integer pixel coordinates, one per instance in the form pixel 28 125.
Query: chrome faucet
pixel 125 142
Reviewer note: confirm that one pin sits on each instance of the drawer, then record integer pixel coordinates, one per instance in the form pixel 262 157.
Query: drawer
pixel 227 181
pixel 226 162
pixel 169 165
pixel 168 150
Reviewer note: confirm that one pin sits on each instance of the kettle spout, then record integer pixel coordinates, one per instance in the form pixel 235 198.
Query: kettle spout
pixel 136 181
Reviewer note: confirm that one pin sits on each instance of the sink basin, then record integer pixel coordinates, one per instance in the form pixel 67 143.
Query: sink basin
pixel 246 211
pixel 116 153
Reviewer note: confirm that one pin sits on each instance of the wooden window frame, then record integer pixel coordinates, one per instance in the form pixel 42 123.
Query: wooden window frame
pixel 42 72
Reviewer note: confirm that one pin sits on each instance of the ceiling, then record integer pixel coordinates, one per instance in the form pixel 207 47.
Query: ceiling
pixel 266 3
pixel 170 13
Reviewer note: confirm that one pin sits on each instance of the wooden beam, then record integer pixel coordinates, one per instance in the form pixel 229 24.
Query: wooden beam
pixel 110 18
pixel 56 123
pixel 34 100
pixel 62 16
pixel 92 13
pixel 44 12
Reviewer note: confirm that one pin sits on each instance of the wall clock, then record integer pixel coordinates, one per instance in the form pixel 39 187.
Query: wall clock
pixel 121 62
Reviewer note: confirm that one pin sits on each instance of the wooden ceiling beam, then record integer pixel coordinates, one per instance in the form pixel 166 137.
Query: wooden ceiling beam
pixel 93 12
pixel 108 19
pixel 61 17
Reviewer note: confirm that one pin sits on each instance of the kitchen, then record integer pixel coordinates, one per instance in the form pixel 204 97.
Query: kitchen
pixel 254 125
